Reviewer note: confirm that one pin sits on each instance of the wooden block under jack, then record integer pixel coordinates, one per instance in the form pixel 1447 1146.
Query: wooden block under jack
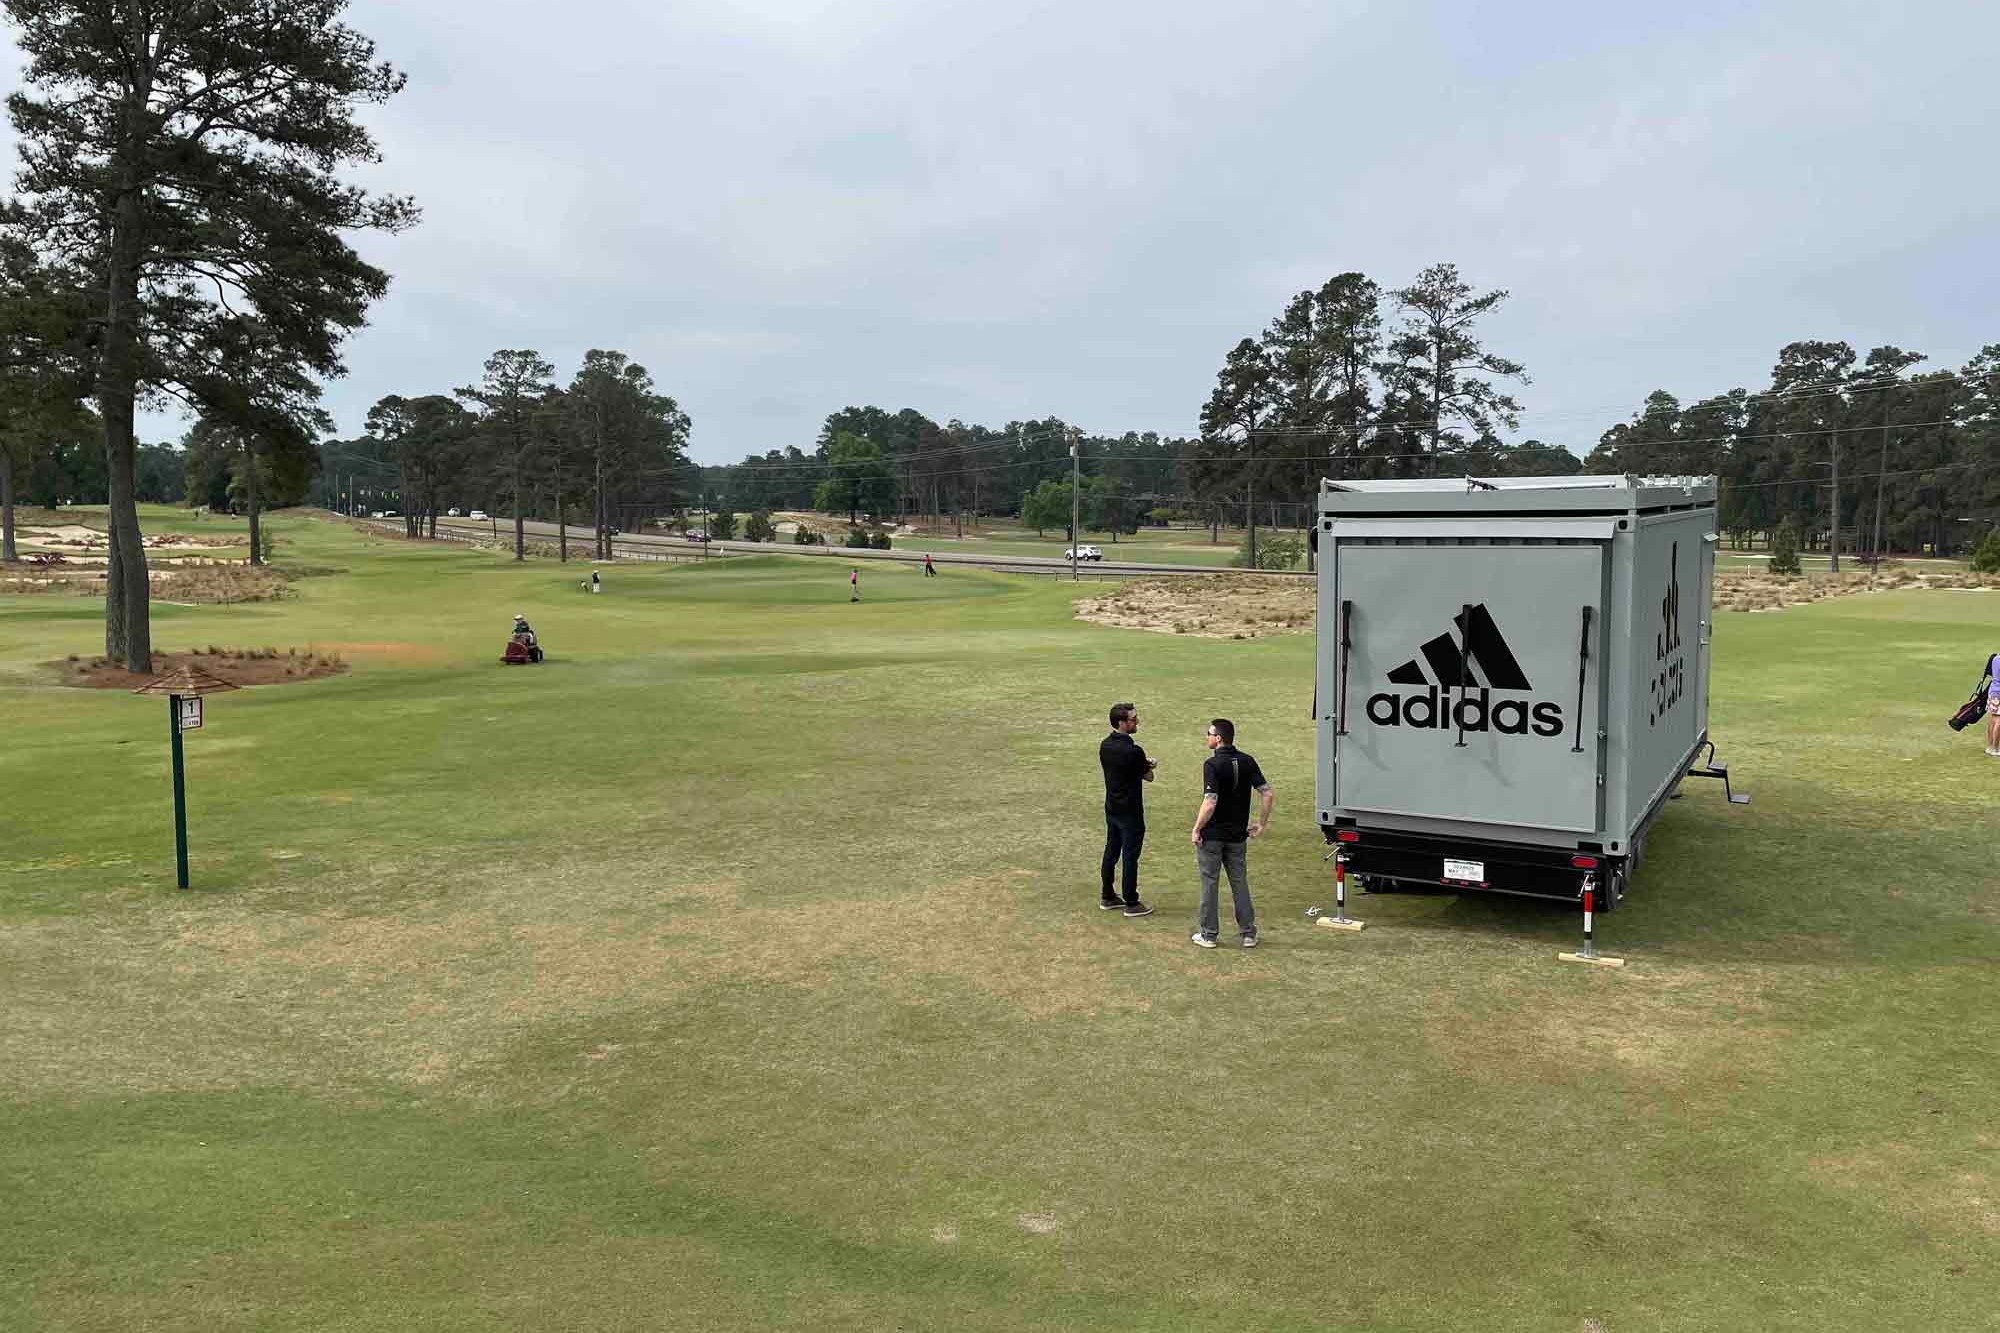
pixel 1599 961
pixel 1331 924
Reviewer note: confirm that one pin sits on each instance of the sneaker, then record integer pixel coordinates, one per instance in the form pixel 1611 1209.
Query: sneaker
pixel 1138 909
pixel 1108 905
pixel 1249 941
pixel 1203 940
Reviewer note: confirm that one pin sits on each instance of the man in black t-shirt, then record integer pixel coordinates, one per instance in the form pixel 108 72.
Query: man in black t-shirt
pixel 1222 830
pixel 1125 767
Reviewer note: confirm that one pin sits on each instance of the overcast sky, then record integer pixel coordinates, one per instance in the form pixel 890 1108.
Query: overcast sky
pixel 995 211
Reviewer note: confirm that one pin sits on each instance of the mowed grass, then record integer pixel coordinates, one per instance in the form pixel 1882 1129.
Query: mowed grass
pixel 741 968
pixel 1176 546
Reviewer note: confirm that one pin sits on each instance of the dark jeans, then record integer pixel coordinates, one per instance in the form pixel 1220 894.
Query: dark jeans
pixel 1124 835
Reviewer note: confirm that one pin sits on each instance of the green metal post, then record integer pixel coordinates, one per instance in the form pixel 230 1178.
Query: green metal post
pixel 180 792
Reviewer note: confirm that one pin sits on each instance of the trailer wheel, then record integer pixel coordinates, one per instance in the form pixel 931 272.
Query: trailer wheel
pixel 1614 888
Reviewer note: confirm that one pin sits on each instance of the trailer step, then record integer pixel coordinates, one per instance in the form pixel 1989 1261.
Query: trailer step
pixel 1720 771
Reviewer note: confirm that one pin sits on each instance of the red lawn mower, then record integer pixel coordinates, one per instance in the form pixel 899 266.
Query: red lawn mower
pixel 523 649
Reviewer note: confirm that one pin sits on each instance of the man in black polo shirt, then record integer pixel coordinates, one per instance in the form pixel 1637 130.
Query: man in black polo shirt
pixel 1125 767
pixel 1222 830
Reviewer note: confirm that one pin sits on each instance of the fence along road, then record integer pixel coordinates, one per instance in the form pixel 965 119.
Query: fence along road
pixel 651 546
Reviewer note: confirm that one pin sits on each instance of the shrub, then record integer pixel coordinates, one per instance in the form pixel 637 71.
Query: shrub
pixel 1785 547
pixel 805 536
pixel 879 539
pixel 857 539
pixel 722 525
pixel 1986 560
pixel 757 527
pixel 1273 552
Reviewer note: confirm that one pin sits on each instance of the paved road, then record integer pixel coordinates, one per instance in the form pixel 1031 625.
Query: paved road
pixel 657 546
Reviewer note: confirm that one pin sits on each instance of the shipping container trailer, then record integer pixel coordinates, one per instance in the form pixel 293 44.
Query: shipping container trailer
pixel 1512 676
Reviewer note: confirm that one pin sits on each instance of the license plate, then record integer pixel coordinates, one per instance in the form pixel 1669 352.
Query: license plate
pixel 1471 871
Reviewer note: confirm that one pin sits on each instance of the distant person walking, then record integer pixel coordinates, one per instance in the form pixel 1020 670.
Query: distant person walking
pixel 1222 831
pixel 1993 705
pixel 930 570
pixel 1125 766
pixel 853 584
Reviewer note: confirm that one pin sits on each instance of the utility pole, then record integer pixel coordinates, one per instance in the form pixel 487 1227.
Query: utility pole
pixel 1881 477
pixel 1075 503
pixel 1833 547
pixel 1250 500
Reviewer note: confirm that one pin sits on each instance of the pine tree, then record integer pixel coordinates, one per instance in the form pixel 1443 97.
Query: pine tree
pixel 188 155
pixel 1785 547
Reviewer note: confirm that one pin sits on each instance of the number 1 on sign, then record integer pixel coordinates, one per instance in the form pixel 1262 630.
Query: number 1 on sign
pixel 191 714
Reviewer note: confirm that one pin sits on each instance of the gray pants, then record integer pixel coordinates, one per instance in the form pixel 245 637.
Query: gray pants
pixel 1213 858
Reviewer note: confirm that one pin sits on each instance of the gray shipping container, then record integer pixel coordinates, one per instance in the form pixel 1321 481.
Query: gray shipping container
pixel 1512 675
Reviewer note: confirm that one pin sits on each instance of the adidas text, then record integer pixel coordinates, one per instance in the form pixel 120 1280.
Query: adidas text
pixel 1473 711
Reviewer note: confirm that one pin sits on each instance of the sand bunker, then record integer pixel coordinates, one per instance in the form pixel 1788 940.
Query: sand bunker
pixel 1211 606
pixel 76 537
pixel 1223 606
pixel 189 582
pixel 1760 590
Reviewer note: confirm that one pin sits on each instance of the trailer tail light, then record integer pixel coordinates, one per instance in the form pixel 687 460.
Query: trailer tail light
pixel 1348 835
pixel 1583 863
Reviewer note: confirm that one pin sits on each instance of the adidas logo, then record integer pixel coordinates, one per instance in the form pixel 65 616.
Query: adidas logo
pixel 1476 664
pixel 1668 684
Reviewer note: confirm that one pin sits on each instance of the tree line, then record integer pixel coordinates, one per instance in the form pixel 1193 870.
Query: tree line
pixel 608 445
pixel 1897 458
pixel 868 461
pixel 1352 380
pixel 1347 380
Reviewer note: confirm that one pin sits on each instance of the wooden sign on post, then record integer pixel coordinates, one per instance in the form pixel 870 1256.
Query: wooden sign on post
pixel 183 688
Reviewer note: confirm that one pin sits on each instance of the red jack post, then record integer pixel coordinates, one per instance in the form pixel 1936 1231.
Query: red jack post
pixel 1340 920
pixel 1589 954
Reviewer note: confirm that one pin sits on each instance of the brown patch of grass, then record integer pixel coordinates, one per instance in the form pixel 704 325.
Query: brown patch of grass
pixel 238 666
pixel 1209 606
pixel 428 992
pixel 1657 1025
pixel 403 654
pixel 1916 1185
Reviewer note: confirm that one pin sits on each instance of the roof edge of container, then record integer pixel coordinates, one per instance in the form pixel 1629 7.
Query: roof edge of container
pixel 1468 494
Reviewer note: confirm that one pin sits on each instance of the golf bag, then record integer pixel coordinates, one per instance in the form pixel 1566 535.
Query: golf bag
pixel 1974 708
pixel 1970 711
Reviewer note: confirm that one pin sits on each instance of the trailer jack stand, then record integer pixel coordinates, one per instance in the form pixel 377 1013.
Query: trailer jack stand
pixel 1340 920
pixel 1588 953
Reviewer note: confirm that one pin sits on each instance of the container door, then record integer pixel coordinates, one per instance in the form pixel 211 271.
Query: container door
pixel 1471 684
pixel 1705 603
